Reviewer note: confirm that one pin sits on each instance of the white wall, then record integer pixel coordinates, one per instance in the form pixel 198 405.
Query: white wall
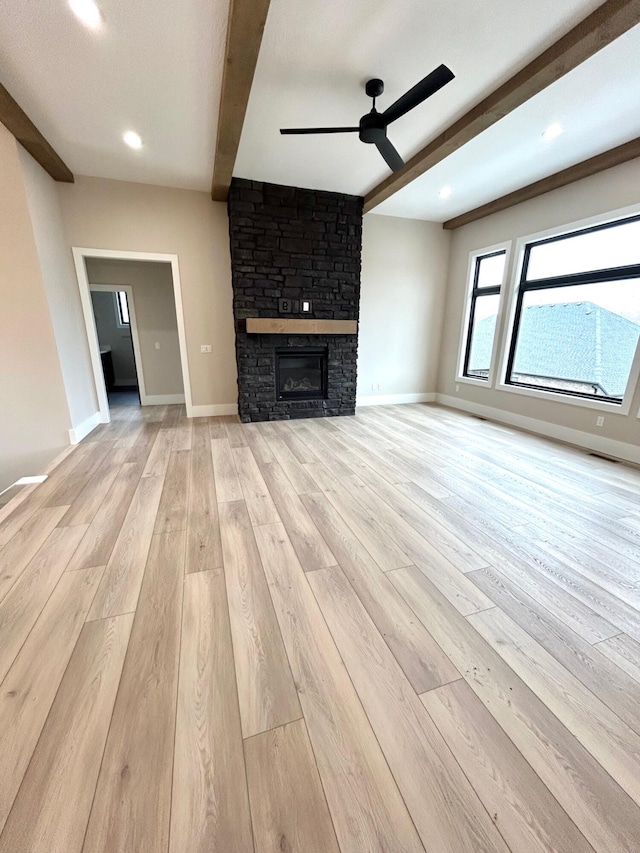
pixel 404 271
pixel 104 214
pixel 155 309
pixel 34 416
pixel 61 288
pixel 608 191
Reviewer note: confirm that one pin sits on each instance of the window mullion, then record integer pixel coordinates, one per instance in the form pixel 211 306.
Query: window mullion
pixel 593 277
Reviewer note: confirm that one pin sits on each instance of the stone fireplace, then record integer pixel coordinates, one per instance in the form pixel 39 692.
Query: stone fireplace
pixel 294 249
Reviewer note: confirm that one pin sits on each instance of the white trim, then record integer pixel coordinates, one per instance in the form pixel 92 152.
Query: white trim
pixel 214 411
pixel 469 380
pixel 582 402
pixel 135 338
pixel 79 432
pixel 79 255
pixel 163 399
pixel 92 335
pixel 580 224
pixel 586 440
pixel 392 399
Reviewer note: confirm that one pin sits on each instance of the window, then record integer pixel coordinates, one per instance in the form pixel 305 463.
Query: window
pixel 577 314
pixel 488 273
pixel 122 308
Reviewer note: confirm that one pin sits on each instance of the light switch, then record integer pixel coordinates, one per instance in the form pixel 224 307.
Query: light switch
pixel 205 347
pixel 157 344
pixel 305 306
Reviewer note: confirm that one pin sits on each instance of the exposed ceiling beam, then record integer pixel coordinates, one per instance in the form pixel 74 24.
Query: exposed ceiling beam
pixel 599 29
pixel 244 36
pixel 17 122
pixel 613 157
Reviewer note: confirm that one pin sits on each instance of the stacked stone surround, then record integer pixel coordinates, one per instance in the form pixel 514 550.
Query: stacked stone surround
pixel 295 244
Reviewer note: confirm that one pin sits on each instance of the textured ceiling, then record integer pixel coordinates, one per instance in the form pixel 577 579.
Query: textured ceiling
pixel 157 68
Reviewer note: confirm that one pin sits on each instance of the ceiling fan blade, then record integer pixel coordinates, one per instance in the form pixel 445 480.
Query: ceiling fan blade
pixel 393 160
pixel 296 130
pixel 419 93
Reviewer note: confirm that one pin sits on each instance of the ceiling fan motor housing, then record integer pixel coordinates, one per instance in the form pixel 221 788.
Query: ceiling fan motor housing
pixel 372 126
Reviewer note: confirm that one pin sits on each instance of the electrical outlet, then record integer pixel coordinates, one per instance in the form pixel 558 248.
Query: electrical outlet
pixel 600 421
pixel 205 347
pixel 157 344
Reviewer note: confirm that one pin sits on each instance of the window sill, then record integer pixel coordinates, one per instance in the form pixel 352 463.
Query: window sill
pixel 583 402
pixel 468 380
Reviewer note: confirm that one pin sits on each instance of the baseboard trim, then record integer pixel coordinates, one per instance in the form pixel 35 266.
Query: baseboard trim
pixel 213 411
pixel 393 399
pixel 161 399
pixel 585 440
pixel 83 429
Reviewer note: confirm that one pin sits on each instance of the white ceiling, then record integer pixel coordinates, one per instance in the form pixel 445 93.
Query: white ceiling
pixel 598 104
pixel 156 67
pixel 316 56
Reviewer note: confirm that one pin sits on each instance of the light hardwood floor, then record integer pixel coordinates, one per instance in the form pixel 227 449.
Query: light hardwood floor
pixel 407 631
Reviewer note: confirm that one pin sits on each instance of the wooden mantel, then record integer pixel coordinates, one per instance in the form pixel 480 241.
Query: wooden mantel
pixel 283 326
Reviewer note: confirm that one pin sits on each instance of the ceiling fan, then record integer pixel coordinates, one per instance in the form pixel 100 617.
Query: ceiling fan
pixel 373 125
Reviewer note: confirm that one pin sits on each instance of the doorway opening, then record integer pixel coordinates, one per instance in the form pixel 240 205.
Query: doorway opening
pixel 115 320
pixel 132 309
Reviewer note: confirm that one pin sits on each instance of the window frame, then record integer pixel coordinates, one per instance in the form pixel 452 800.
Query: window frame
pixel 472 294
pixel 514 307
pixel 120 323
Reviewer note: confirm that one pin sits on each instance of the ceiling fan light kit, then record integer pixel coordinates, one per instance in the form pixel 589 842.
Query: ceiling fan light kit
pixel 372 128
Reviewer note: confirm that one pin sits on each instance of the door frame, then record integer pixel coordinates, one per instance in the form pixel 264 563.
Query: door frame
pixel 79 256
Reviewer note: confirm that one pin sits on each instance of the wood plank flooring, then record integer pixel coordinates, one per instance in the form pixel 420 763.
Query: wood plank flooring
pixel 410 631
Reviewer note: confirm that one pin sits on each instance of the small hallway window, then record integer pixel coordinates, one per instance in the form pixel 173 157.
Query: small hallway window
pixel 122 308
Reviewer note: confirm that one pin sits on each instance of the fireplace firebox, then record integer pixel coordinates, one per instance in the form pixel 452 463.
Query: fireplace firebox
pixel 301 374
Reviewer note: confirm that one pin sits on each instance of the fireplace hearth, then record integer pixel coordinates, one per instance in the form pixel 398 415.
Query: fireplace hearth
pixel 301 374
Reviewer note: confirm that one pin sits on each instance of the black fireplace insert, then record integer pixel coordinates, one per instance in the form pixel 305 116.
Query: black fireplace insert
pixel 301 374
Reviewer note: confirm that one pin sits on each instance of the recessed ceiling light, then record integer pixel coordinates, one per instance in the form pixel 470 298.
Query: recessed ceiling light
pixel 552 132
pixel 132 139
pixel 87 12
pixel 445 192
